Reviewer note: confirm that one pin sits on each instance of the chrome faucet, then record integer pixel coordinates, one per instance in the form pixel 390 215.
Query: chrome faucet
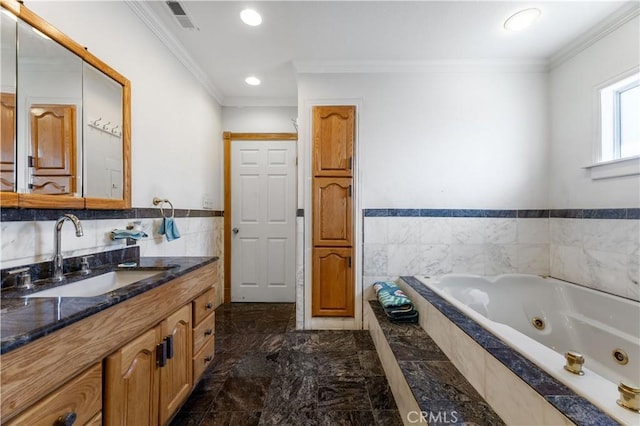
pixel 57 253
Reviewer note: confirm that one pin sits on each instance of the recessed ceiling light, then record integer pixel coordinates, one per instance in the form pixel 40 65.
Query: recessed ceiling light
pixel 251 17
pixel 252 81
pixel 522 19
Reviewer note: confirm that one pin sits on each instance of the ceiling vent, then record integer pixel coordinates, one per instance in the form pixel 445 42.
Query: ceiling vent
pixel 178 11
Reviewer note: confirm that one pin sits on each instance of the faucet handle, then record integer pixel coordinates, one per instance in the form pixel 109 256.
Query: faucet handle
pixel 574 362
pixel 84 264
pixel 23 277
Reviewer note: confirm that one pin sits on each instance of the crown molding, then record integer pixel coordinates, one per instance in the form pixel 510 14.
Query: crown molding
pixel 250 101
pixel 364 67
pixel 605 27
pixel 149 18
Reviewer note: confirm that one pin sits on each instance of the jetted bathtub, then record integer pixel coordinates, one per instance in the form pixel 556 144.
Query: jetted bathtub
pixel 542 318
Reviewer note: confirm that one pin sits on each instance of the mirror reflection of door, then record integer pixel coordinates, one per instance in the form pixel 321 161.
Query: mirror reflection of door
pixel 53 154
pixel 7 141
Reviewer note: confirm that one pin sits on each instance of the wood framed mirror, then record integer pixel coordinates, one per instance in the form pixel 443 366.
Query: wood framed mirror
pixel 66 120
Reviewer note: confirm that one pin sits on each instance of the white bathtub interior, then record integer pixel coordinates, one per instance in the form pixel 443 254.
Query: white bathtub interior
pixel 575 318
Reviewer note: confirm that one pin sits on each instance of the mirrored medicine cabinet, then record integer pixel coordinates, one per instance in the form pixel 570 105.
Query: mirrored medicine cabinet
pixel 65 120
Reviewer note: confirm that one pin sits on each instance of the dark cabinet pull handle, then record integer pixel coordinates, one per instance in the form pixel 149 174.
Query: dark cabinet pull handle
pixel 162 354
pixel 208 358
pixel 169 340
pixel 66 420
pixel 209 305
pixel 208 332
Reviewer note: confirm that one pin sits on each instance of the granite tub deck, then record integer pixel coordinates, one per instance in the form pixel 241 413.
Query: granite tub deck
pixel 428 387
pixel 267 373
pixel 519 391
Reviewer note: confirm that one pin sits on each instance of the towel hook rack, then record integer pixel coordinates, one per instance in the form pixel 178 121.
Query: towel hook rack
pixel 161 201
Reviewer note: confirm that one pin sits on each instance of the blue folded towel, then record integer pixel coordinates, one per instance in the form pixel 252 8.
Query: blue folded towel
pixel 390 295
pixel 121 234
pixel 169 229
pixel 396 305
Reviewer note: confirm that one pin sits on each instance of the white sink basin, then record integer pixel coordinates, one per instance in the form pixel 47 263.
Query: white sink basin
pixel 95 286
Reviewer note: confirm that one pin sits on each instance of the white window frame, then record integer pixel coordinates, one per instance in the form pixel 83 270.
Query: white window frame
pixel 607 132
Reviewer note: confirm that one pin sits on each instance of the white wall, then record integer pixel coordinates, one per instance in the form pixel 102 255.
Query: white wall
pixel 444 139
pixel 173 117
pixel 600 253
pixel 573 123
pixel 259 119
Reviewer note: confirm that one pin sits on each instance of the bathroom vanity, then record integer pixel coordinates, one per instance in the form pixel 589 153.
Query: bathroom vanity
pixel 129 356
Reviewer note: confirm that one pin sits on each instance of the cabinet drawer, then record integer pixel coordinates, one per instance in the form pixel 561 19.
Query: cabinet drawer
pixel 203 332
pixel 203 306
pixel 81 396
pixel 202 359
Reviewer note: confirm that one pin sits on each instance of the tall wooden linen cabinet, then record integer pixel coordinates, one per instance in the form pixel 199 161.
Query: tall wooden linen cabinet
pixel 333 281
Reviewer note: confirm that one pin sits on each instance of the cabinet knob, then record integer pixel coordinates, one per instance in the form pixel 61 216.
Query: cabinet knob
pixel 208 358
pixel 209 305
pixel 208 332
pixel 67 419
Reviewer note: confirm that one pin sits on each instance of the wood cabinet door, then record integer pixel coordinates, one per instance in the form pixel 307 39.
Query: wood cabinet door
pixel 7 141
pixel 332 215
pixel 53 147
pixel 333 292
pixel 333 134
pixel 132 382
pixel 176 376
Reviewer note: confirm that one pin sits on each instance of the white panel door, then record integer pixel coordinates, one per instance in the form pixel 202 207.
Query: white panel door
pixel 263 220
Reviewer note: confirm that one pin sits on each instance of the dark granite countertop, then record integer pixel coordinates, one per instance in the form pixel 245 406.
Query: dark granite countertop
pixel 23 320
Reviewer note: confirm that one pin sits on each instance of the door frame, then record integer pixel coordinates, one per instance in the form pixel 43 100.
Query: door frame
pixel 230 137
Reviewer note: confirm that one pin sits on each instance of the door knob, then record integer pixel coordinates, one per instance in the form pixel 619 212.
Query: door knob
pixel 235 230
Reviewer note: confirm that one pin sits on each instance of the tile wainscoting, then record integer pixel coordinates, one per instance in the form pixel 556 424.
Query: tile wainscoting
pixel 27 235
pixel 599 248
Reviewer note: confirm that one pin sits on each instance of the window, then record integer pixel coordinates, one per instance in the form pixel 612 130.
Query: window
pixel 620 119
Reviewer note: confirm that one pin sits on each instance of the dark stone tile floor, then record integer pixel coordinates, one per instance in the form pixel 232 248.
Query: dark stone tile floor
pixel 267 373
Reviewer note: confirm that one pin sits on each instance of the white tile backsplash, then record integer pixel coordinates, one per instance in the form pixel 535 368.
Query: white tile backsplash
pixel 499 231
pixel 375 230
pixel 599 253
pixel 403 230
pixel 32 241
pixel 468 231
pixel 375 259
pixel 468 258
pixel 533 231
pixel 436 230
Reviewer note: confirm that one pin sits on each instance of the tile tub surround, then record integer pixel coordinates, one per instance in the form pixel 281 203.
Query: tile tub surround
pixel 603 254
pixel 422 378
pixel 598 248
pixel 434 242
pixel 265 372
pixel 25 322
pixel 518 390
